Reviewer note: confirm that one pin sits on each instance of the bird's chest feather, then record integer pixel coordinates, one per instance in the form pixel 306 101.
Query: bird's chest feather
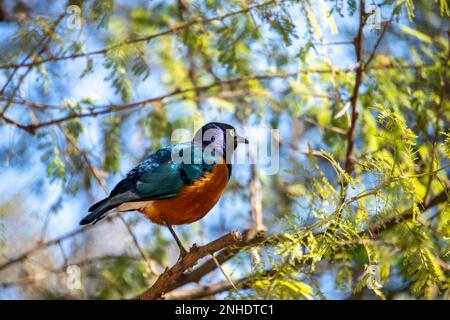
pixel 193 202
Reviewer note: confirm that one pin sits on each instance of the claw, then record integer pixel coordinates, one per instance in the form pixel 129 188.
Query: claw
pixel 183 253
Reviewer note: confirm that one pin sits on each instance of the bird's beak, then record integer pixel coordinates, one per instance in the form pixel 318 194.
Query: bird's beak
pixel 240 139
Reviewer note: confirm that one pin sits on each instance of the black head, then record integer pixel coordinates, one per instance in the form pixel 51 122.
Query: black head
pixel 219 135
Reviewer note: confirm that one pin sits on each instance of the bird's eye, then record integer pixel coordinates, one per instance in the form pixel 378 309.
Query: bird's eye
pixel 232 133
pixel 213 138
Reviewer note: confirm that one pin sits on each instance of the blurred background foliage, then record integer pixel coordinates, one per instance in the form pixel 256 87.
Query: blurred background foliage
pixel 358 90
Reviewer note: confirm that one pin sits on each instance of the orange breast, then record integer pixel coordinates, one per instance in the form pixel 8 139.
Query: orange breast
pixel 193 202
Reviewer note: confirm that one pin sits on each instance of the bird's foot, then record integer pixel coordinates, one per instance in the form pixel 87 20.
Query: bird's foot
pixel 183 254
pixel 194 247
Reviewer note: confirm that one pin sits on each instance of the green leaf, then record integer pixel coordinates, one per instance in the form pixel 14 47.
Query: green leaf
pixel 415 33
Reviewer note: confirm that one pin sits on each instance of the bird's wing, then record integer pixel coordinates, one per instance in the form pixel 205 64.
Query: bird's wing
pixel 158 177
pixel 159 158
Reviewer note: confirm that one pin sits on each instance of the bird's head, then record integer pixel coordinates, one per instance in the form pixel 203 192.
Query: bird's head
pixel 220 136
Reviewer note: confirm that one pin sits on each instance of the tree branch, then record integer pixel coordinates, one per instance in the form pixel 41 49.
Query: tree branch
pixel 250 238
pixel 169 31
pixel 359 44
pixel 106 109
pixel 164 281
pixel 44 245
pixel 202 291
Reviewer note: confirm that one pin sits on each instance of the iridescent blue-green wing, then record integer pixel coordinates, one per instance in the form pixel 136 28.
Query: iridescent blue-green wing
pixel 155 160
pixel 169 179
pixel 158 177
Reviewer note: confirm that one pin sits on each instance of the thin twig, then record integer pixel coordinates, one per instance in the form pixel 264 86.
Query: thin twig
pixel 223 272
pixel 169 31
pixel 150 262
pixel 443 91
pixel 47 244
pixel 44 41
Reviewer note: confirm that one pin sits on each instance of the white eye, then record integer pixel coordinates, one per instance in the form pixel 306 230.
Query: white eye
pixel 232 133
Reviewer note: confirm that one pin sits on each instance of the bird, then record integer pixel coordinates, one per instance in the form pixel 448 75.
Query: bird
pixel 178 184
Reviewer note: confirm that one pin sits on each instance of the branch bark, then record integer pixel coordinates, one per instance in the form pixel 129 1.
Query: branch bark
pixel 250 238
pixel 359 44
pixel 164 281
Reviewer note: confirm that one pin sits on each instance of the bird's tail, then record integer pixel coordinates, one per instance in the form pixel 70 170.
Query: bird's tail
pixel 98 211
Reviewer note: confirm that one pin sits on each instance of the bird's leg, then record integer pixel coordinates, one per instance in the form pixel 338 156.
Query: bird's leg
pixel 183 251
